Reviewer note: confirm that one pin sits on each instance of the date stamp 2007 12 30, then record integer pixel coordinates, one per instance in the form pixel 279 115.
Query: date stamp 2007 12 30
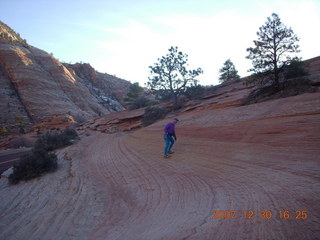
pixel 264 214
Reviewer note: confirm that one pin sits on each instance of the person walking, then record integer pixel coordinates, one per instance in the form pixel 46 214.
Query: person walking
pixel 169 135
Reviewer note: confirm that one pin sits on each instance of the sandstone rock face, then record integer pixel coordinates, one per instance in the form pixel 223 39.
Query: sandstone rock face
pixel 255 158
pixel 228 157
pixel 9 35
pixel 100 83
pixel 10 104
pixel 34 85
pixel 121 121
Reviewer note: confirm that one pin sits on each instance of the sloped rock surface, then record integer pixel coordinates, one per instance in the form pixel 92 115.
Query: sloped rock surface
pixel 121 121
pixel 259 157
pixel 34 84
pixel 45 86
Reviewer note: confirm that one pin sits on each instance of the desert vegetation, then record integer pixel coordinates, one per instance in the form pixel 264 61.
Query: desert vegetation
pixel 273 51
pixel 194 92
pixel 21 141
pixel 170 77
pixel 137 97
pixel 41 160
pixel 273 59
pixel 152 114
pixel 228 72
pixel 10 35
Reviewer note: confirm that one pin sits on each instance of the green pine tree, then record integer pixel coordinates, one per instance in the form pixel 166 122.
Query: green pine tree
pixel 273 50
pixel 228 72
pixel 170 76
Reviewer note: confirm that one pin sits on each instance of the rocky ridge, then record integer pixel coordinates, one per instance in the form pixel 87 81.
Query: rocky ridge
pixel 34 84
pixel 223 96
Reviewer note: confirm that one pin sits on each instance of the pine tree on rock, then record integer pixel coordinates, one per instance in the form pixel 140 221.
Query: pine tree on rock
pixel 273 50
pixel 228 72
pixel 170 74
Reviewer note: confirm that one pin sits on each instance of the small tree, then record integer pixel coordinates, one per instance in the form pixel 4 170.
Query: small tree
pixel 20 121
pixel 3 131
pixel 273 48
pixel 170 74
pixel 228 72
pixel 136 97
pixel 135 91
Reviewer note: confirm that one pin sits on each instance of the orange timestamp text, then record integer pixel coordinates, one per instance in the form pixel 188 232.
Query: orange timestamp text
pixel 263 214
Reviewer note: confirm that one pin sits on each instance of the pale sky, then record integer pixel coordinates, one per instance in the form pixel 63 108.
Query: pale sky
pixel 124 37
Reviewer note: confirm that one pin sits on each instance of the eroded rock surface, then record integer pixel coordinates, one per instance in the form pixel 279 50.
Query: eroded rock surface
pixel 34 84
pixel 259 157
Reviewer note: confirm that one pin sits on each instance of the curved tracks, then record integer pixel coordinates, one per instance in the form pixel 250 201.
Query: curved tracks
pixel 119 187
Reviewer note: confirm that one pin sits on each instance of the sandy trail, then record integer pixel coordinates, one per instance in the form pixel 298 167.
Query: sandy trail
pixel 263 157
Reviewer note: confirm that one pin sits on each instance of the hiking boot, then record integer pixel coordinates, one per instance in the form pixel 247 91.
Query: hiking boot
pixel 170 152
pixel 166 156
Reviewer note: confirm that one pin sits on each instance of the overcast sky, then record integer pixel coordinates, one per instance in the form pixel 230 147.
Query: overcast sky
pixel 124 37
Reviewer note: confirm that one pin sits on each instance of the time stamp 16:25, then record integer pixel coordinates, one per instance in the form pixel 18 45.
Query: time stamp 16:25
pixel 264 214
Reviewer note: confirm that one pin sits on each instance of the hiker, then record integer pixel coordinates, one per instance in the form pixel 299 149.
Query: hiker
pixel 169 134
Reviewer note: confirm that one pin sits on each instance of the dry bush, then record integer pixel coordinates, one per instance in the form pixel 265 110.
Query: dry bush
pixel 21 141
pixel 33 165
pixel 152 114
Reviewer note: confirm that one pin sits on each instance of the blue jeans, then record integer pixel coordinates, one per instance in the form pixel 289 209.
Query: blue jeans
pixel 169 143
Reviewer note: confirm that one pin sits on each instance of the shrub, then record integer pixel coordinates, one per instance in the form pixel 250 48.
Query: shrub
pixel 152 114
pixel 40 161
pixel 139 103
pixel 194 92
pixel 80 118
pixel 50 142
pixel 295 69
pixel 3 131
pixel 21 142
pixel 20 121
pixel 135 92
pixel 32 166
pixel 71 133
pixel 178 105
pixel 289 88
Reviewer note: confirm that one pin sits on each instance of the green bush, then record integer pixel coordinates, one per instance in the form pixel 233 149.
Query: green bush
pixel 40 161
pixel 135 92
pixel 194 92
pixel 152 114
pixel 3 131
pixel 288 88
pixel 71 133
pixel 51 142
pixel 295 69
pixel 32 166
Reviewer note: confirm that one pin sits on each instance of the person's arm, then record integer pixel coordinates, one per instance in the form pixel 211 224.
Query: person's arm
pixel 166 129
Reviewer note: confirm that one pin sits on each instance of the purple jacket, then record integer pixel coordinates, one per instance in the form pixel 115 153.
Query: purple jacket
pixel 170 128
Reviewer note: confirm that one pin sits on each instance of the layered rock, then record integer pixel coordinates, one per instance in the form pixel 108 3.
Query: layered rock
pixel 35 85
pixel 228 157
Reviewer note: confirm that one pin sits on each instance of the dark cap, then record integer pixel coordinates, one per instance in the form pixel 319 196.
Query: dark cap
pixel 177 119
